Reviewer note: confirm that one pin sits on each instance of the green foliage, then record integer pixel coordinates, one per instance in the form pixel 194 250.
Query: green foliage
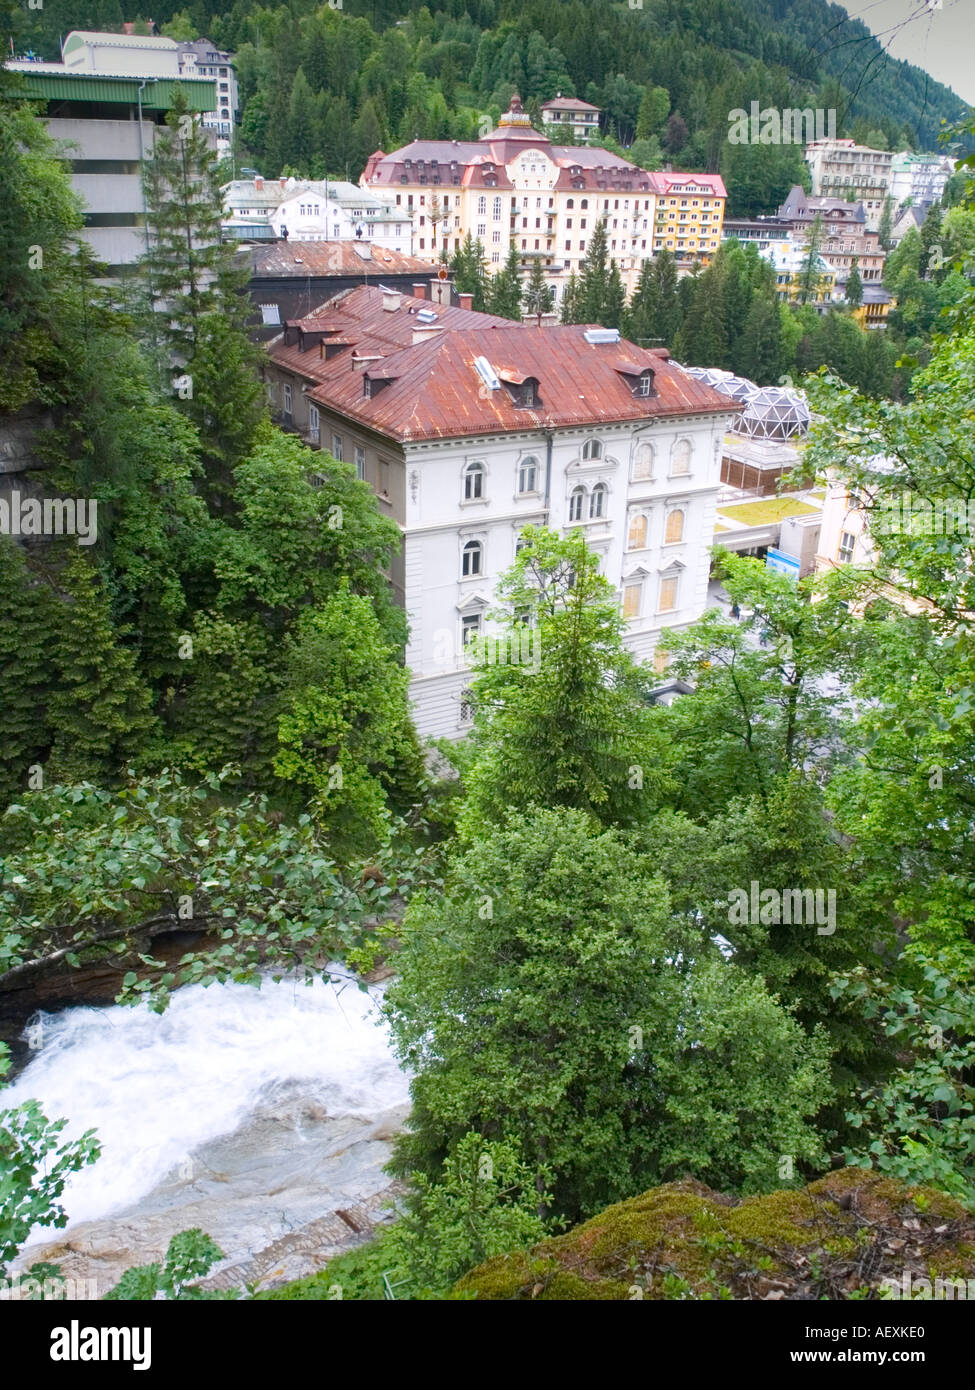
pixel 569 727
pixel 190 1255
pixel 87 873
pixel 485 1201
pixel 547 998
pixel 35 1164
pixel 919 1124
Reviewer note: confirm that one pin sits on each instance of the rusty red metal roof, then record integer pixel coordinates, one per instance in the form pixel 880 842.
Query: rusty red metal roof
pixel 437 393
pixel 340 257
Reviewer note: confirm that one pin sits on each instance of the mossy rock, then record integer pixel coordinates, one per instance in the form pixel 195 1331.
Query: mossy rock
pixel 849 1235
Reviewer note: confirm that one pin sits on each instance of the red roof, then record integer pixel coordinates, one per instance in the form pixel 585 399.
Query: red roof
pixel 437 393
pixel 711 184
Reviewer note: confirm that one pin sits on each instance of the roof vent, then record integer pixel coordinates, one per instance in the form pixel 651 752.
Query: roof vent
pixel 487 373
pixel 602 335
pixel 426 315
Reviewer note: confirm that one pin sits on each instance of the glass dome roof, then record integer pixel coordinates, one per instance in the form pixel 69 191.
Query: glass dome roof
pixel 771 412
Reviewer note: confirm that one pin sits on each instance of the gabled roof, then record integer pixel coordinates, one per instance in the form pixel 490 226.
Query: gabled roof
pixel 338 257
pixel 664 182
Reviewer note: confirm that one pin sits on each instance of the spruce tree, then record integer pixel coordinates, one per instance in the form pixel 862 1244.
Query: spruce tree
pixel 503 294
pixel 760 355
pixel 810 275
pixel 467 266
pixel 28 623
pixel 667 310
pixel 570 301
pixel 195 294
pixel 615 304
pixel 594 277
pixel 539 296
pixel 854 286
pixel 886 227
pixel 99 709
pixel 639 319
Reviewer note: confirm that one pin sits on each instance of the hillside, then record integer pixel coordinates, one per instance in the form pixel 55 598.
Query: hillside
pixel 321 88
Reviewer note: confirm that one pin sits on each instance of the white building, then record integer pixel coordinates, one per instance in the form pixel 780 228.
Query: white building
pixel 312 210
pixel 844 169
pixel 920 177
pixel 200 58
pixel 569 113
pixel 469 428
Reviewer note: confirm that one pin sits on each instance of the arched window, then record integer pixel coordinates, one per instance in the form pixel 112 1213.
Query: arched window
pixel 674 530
pixel 637 537
pixel 576 501
pixel 528 474
pixel 584 203
pixel 592 449
pixel 471 560
pixel 680 459
pixel 597 501
pixel 473 482
pixel 571 202
pixel 643 462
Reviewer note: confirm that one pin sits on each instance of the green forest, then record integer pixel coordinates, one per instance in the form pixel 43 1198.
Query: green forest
pixel 206 721
pixel 322 87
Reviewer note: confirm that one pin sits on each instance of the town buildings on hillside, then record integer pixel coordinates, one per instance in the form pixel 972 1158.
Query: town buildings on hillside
pixel 513 187
pixel 920 178
pixel 108 98
pixel 469 427
pixel 260 209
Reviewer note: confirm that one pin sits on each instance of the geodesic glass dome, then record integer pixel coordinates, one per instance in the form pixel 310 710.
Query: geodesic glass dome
pixel 774 412
pixel 738 387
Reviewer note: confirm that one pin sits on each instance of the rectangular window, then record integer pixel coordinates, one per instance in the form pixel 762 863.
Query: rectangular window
pixel 668 595
pixel 314 423
pixel 631 600
pixel 337 447
pixel 847 544
pixel 470 626
pixel 360 461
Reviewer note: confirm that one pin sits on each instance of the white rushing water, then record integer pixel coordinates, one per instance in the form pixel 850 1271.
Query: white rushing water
pixel 156 1087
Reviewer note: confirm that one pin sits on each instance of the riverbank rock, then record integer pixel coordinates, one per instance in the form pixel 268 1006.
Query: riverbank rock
pixel 854 1233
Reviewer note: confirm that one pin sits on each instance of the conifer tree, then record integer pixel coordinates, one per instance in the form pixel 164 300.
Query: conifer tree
pixel 854 286
pixel 503 293
pixel 570 300
pixel 28 623
pixel 639 319
pixel 99 710
pixel 667 310
pixel 615 303
pixel 594 277
pixel 539 296
pixel 195 293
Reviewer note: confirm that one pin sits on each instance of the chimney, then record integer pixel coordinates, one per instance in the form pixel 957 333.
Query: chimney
pixel 466 301
pixel 390 301
pixel 258 184
pixel 129 27
pixel 420 290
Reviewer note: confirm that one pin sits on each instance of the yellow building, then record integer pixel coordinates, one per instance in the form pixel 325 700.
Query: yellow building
pixel 689 215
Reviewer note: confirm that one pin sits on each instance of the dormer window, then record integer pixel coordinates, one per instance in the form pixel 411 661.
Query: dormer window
pixel 644 385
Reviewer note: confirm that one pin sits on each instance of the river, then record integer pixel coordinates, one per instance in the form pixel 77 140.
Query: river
pixel 257 1115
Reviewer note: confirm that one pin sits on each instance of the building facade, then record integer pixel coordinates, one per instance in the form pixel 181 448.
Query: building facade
pixel 569 113
pixel 200 58
pixel 688 216
pixel 920 177
pixel 106 102
pixel 842 168
pixel 468 428
pixel 513 187
pixel 262 209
